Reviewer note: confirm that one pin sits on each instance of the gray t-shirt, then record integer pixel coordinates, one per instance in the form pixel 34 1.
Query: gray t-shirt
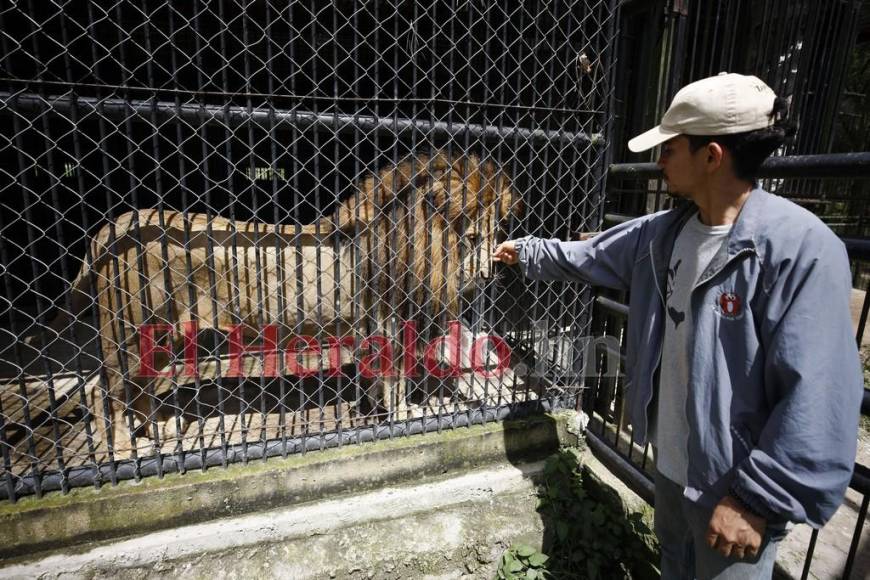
pixel 695 246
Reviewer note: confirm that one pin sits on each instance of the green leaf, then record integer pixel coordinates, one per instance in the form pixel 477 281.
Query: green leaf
pixel 531 574
pixel 525 550
pixel 537 560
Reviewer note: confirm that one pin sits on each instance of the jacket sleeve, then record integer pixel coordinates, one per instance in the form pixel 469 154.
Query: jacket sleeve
pixel 605 260
pixel 802 464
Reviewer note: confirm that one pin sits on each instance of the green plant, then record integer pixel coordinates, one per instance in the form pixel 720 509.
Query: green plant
pixel 523 562
pixel 587 533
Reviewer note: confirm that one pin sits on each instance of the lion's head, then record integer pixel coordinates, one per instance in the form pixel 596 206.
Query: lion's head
pixel 428 226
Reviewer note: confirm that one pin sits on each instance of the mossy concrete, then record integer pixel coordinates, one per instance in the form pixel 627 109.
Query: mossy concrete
pixel 453 526
pixel 55 521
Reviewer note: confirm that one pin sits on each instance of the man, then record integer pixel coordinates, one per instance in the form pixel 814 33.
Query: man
pixel 742 368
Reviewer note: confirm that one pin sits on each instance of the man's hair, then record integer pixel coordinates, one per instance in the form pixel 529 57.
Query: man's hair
pixel 750 149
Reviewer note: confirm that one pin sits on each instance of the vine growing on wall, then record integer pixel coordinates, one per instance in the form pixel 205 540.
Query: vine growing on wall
pixel 586 536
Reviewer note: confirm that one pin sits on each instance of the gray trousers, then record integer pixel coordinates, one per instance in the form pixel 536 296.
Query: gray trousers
pixel 681 527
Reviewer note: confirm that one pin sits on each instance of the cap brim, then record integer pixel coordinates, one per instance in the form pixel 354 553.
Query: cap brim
pixel 650 139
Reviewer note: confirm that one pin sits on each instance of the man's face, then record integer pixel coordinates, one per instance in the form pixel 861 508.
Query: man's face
pixel 683 170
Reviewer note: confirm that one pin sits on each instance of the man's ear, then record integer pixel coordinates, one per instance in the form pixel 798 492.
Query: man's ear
pixel 715 155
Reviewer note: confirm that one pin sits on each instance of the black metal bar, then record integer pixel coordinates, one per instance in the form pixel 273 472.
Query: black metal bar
pixel 84 476
pixel 146 310
pixel 627 472
pixel 233 116
pixel 87 414
pixel 827 165
pixel 357 314
pixel 105 181
pixel 31 251
pixel 192 290
pixel 617 218
pixel 856 537
pixel 280 273
pixel 808 559
pixel 259 256
pixel 169 287
pixel 612 305
pixel 858 249
pixel 234 294
pixel 209 185
pixel 336 242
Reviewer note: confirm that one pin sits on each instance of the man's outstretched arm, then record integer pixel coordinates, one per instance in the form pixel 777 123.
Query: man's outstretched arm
pixel 605 260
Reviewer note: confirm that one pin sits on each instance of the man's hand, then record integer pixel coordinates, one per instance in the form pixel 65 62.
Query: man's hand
pixel 506 253
pixel 734 531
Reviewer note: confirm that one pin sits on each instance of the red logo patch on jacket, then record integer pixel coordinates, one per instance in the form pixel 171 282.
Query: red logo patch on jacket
pixel 730 305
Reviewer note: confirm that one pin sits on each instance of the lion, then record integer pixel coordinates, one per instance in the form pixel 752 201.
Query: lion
pixel 417 235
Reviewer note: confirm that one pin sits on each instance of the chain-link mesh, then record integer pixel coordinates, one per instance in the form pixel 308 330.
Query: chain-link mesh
pixel 233 230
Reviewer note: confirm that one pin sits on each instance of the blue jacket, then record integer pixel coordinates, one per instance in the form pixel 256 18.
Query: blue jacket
pixel 775 378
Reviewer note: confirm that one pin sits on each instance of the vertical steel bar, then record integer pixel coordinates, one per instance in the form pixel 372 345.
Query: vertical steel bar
pixel 423 312
pixel 359 286
pixel 121 354
pixel 87 416
pixel 280 244
pixel 147 310
pixel 295 35
pixel 501 100
pixel 192 290
pixel 336 239
pixel 210 184
pixel 391 249
pixel 258 259
pixel 856 537
pixel 169 286
pixel 517 72
pixel 407 286
pixel 318 234
pixel 42 306
pixel 808 560
pixel 235 298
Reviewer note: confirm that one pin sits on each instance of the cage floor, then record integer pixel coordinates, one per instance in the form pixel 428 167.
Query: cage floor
pixel 39 436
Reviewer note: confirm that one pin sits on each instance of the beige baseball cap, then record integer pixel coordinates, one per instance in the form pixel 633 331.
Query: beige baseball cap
pixel 721 105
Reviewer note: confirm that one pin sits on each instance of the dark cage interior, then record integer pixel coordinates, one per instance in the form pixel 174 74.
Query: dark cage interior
pixel 279 114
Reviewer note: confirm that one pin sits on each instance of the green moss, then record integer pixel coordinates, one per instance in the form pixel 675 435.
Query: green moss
pixel 87 514
pixel 255 468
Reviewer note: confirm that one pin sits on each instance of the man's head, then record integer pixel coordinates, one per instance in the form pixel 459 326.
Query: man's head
pixel 721 127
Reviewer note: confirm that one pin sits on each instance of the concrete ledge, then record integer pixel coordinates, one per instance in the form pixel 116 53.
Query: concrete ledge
pixel 84 515
pixel 452 527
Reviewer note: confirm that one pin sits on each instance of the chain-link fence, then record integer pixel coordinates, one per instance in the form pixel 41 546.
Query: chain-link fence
pixel 235 230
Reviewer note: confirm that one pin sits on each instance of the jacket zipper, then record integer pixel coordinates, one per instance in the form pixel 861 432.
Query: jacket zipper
pixel 660 348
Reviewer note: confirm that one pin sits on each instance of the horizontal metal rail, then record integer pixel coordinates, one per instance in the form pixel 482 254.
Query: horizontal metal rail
pixel 127 469
pixel 827 165
pixel 612 305
pixel 628 473
pixel 120 109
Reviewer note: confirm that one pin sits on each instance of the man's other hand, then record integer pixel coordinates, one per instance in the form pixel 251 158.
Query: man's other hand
pixel 734 530
pixel 506 253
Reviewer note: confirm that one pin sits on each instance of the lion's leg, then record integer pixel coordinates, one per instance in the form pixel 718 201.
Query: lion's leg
pixel 387 388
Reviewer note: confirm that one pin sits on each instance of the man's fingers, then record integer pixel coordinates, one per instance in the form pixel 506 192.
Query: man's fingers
pixel 711 539
pixel 724 547
pixel 752 551
pixel 738 552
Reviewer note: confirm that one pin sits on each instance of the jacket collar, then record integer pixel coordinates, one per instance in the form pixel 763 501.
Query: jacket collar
pixel 747 229
pixel 742 237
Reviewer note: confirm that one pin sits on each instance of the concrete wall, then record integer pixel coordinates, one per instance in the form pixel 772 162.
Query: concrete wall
pixel 436 505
